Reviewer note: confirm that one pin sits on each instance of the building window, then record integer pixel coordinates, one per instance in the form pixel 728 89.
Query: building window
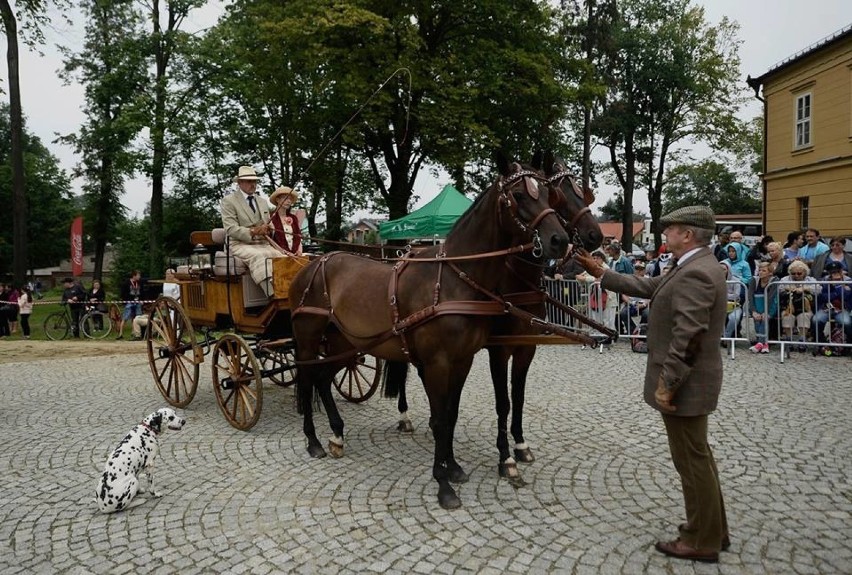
pixel 803 205
pixel 803 120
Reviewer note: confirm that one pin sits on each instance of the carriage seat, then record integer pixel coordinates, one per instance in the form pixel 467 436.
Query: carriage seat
pixel 222 263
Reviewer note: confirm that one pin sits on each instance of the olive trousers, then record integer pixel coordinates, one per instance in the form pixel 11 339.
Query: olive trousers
pixel 706 522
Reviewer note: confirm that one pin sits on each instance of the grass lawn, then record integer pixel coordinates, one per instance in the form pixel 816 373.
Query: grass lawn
pixel 49 304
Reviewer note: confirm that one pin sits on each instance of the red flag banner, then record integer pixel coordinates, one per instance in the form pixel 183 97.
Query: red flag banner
pixel 77 246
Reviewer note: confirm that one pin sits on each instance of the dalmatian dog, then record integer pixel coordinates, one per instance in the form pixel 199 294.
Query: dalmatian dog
pixel 119 483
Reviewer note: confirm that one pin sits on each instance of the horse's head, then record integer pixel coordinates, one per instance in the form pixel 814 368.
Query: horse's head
pixel 571 202
pixel 525 208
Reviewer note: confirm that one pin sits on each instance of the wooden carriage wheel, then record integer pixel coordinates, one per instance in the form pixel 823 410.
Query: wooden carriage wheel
pixel 173 354
pixel 278 357
pixel 359 380
pixel 237 381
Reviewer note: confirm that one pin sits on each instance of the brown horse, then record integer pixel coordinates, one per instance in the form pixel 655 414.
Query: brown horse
pixel 433 313
pixel 585 231
pixel 572 205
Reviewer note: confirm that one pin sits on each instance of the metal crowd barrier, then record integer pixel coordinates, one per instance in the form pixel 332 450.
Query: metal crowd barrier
pixel 584 297
pixel 814 341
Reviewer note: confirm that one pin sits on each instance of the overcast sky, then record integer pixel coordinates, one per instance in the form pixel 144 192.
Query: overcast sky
pixel 771 30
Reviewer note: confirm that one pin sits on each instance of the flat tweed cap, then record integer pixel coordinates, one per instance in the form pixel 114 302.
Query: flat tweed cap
pixel 698 216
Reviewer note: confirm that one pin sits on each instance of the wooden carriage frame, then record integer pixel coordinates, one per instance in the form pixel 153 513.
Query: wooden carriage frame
pixel 247 334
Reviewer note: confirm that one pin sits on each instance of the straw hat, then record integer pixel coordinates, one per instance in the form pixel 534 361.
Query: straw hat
pixel 281 193
pixel 246 173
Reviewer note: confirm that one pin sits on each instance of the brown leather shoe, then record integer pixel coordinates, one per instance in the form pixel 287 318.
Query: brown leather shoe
pixel 681 550
pixel 726 540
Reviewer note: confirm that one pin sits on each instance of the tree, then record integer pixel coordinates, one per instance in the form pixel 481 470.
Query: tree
pixel 166 42
pixel 612 210
pixel 112 68
pixel 49 218
pixel 708 183
pixel 458 79
pixel 33 15
pixel 675 84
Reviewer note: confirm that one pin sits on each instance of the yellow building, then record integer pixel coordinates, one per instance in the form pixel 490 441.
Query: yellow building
pixel 807 103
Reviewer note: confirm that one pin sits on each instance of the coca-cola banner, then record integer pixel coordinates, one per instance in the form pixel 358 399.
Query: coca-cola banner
pixel 77 246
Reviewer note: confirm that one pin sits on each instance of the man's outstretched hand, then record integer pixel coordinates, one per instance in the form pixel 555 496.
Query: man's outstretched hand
pixel 589 264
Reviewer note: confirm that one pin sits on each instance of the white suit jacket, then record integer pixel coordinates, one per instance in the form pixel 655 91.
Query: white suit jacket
pixel 237 216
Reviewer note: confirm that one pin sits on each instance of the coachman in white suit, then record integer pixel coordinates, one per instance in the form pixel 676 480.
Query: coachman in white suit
pixel 245 217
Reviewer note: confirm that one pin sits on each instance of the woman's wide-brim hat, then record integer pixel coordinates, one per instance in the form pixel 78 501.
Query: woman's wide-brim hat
pixel 246 173
pixel 283 192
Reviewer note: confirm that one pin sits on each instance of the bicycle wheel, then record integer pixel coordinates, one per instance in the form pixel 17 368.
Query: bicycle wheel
pixel 96 325
pixel 56 326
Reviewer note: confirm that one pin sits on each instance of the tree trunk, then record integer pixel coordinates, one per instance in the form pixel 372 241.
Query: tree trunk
pixel 158 137
pixel 16 122
pixel 102 217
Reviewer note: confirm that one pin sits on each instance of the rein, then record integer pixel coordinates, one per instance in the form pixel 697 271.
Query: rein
pixel 494 304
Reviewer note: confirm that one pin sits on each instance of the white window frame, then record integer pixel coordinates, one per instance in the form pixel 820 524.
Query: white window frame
pixel 803 121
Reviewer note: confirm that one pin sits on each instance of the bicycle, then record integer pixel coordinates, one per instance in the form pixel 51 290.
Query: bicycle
pixel 94 324
pixel 98 324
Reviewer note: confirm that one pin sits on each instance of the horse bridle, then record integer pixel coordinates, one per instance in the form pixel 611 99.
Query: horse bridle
pixel 555 181
pixel 509 202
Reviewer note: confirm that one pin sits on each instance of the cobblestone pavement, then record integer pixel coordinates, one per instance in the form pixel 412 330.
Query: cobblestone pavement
pixel 601 491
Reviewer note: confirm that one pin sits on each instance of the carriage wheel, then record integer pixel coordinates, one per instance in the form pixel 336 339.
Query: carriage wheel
pixel 56 326
pixel 277 358
pixel 173 354
pixel 360 378
pixel 237 382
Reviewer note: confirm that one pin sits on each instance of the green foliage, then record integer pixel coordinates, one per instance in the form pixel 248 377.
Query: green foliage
pixel 50 209
pixel 675 83
pixel 708 183
pixel 111 67
pixel 457 80
pixel 612 210
pixel 131 249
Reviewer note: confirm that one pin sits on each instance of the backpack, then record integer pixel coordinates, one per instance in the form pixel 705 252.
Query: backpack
pixel 639 345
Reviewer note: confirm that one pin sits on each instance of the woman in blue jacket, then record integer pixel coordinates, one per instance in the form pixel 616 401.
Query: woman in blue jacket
pixel 737 258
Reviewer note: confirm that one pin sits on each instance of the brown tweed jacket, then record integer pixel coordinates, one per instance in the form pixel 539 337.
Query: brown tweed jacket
pixel 685 321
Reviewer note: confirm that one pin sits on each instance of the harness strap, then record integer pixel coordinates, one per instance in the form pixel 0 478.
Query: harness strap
pixel 565 308
pixel 533 320
pixel 544 213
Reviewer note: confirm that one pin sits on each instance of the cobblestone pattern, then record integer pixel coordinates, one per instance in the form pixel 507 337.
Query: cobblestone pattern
pixel 601 491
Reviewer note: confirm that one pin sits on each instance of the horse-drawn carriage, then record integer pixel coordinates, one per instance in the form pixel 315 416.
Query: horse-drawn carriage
pixel 222 312
pixel 435 308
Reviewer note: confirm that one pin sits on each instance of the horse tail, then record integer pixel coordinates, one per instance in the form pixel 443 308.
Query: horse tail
pixel 393 378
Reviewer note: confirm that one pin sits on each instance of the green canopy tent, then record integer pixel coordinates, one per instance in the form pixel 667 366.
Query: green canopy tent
pixel 434 219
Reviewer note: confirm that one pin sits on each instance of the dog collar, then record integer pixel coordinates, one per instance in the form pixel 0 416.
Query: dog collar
pixel 148 427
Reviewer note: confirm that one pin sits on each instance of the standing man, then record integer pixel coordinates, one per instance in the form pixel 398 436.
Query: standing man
pixel 245 217
pixel 683 376
pixel 75 297
pixel 131 294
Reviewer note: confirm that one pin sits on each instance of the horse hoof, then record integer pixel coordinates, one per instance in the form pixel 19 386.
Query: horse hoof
pixel 508 470
pixel 405 426
pixel 335 450
pixel 524 455
pixel 447 498
pixel 316 451
pixel 457 475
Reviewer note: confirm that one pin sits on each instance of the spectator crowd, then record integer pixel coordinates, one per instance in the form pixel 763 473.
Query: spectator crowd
pixel 799 291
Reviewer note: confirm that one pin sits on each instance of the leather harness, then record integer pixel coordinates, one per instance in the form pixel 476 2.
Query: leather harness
pixel 494 305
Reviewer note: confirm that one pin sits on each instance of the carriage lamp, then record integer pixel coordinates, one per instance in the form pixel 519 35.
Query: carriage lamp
pixel 200 258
